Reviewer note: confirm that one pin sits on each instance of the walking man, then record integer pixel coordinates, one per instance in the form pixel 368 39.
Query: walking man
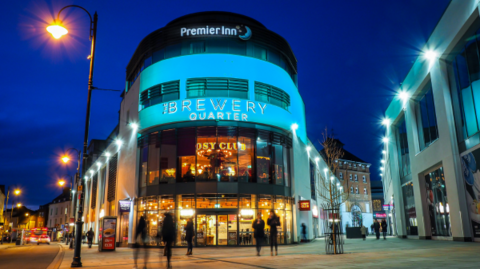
pixel 168 235
pixel 189 236
pixel 259 226
pixel 363 230
pixel 140 238
pixel 376 226
pixel 90 235
pixel 273 221
pixel 304 232
pixel 384 229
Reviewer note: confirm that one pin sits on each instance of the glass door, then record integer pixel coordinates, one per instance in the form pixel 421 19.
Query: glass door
pixel 222 230
pixel 201 230
pixel 232 230
pixel 211 230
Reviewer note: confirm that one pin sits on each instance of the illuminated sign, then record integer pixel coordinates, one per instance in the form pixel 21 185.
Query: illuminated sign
pixel 243 32
pixel 380 215
pixel 386 207
pixel 304 205
pixel 197 109
pixel 315 211
pixel 124 206
pixel 221 145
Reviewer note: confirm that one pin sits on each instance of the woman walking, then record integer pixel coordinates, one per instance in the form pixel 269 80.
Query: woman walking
pixel 259 233
pixel 273 221
pixel 189 235
pixel 384 229
pixel 168 233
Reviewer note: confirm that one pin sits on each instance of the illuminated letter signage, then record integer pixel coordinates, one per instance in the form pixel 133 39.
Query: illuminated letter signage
pixel 304 205
pixel 243 32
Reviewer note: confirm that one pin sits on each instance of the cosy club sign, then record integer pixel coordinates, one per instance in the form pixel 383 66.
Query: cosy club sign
pixel 221 145
pixel 304 205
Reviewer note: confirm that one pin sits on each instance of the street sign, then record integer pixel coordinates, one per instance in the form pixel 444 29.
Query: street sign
pixel 80 188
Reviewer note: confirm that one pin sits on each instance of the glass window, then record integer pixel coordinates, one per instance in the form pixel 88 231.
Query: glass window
pixel 402 148
pixel 278 163
pixel 356 177
pixel 227 154
pixel 313 186
pixel 206 201
pixel 144 162
pixel 153 160
pixel 437 203
pixel 286 165
pixel 173 51
pixel 426 118
pixel 259 52
pixel 238 47
pixel 186 201
pixel 228 201
pixel 245 158
pixel 158 55
pixel 206 154
pixel 197 47
pixel 167 203
pixel 186 154
pixel 217 45
pixel 246 201
pixel 263 161
pixel 168 156
pixel 410 212
pixel 265 201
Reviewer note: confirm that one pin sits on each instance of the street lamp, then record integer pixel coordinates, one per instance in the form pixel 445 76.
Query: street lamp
pixel 16 192
pixel 57 31
pixel 61 182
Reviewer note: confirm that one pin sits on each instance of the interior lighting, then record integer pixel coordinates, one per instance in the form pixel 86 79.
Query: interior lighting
pixel 294 126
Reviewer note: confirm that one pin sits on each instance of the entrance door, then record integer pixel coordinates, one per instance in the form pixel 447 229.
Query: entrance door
pixel 213 230
pixel 206 230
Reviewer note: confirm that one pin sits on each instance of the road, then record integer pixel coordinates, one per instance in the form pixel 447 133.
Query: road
pixel 29 256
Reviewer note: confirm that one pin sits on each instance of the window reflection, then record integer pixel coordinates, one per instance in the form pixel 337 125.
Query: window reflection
pixel 263 161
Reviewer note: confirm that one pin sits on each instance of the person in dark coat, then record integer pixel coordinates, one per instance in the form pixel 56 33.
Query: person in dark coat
pixel 84 236
pixel 189 235
pixel 90 235
pixel 259 226
pixel 273 221
pixel 304 231
pixel 168 235
pixel 376 227
pixel 140 241
pixel 384 229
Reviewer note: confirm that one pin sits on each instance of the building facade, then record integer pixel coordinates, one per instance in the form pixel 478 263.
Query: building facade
pixel 211 127
pixel 59 215
pixel 354 176
pixel 432 140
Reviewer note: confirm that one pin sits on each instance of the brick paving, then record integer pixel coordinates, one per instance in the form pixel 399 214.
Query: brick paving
pixel 390 253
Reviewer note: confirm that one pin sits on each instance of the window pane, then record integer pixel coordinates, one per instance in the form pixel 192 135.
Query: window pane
pixel 476 99
pixel 170 97
pixel 144 162
pixel 227 154
pixel 469 110
pixel 188 168
pixel 158 55
pixel 260 53
pixel 286 158
pixel 274 57
pixel 437 202
pixel 167 203
pixel 238 94
pixel 462 71
pixel 278 163
pixel 206 154
pixel 237 47
pixel 206 201
pixel 263 161
pixel 173 51
pixel 245 159
pixel 197 47
pixel 153 164
pixel 261 97
pixel 228 201
pixel 217 46
pixel 472 61
pixel 168 156
pixel 410 212
pixel 216 93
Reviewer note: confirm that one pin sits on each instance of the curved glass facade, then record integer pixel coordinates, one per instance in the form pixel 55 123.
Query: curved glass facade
pixel 214 154
pixel 219 219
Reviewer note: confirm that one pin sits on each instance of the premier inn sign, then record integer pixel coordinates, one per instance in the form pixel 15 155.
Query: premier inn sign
pixel 243 32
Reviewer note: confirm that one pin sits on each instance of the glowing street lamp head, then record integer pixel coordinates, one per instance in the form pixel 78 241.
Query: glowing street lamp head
pixel 16 192
pixel 26 214
pixel 19 205
pixel 386 121
pixel 61 182
pixel 65 159
pixel 57 30
pixel 430 55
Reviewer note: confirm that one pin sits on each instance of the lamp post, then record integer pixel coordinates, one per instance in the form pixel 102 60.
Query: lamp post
pixel 61 183
pixel 11 216
pixel 16 192
pixel 57 31
pixel 66 159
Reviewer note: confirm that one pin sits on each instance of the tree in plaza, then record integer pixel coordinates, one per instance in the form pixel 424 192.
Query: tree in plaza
pixel 330 191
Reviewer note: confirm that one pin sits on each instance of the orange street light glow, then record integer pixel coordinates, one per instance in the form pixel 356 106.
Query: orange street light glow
pixel 57 31
pixel 17 192
pixel 19 205
pixel 65 159
pixel 61 182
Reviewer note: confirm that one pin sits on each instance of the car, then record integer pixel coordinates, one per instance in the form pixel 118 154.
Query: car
pixel 32 239
pixel 43 239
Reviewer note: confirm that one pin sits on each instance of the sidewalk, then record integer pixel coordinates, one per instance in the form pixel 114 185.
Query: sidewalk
pixel 390 253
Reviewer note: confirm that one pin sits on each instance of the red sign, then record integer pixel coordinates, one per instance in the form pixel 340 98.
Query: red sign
pixel 108 243
pixel 380 215
pixel 304 205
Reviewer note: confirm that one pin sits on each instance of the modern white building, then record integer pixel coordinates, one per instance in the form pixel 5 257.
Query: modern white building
pixel 432 140
pixel 211 126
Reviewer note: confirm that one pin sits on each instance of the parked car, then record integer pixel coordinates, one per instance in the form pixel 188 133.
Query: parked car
pixel 44 239
pixel 32 239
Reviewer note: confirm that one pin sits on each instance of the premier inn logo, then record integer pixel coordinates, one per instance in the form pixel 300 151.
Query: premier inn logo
pixel 243 32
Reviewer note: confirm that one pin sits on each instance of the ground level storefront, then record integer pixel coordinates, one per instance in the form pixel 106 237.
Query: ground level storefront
pixel 219 219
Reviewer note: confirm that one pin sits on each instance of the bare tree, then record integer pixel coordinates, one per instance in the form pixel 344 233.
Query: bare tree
pixel 327 189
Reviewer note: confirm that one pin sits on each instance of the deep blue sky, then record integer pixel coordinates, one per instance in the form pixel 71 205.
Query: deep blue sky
pixel 351 55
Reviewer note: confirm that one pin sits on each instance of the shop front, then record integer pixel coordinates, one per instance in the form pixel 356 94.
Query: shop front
pixel 219 219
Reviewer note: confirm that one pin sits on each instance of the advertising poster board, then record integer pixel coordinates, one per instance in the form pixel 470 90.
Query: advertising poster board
pixel 108 233
pixel 471 176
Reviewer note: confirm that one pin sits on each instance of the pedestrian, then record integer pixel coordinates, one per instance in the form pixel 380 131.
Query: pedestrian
pixel 304 232
pixel 189 235
pixel 84 236
pixel 168 235
pixel 363 230
pixel 90 235
pixel 273 221
pixel 372 228
pixel 384 229
pixel 140 240
pixel 376 227
pixel 259 226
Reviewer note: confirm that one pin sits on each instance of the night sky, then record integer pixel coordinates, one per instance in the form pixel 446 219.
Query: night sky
pixel 351 55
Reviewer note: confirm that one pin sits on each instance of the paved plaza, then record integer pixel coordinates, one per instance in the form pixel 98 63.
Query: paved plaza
pixel 390 253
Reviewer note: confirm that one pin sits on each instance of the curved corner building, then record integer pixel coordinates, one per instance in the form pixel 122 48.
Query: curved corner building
pixel 212 126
